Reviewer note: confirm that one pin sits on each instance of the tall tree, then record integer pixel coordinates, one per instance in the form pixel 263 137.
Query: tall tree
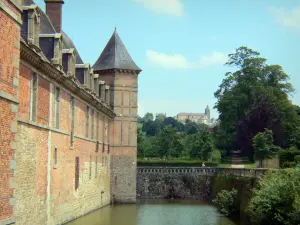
pixel 252 98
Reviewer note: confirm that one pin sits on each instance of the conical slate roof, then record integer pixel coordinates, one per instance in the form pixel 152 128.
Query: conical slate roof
pixel 115 56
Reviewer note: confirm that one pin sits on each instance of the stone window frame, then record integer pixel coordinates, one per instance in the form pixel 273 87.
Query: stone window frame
pixel 57 95
pixel 33 97
pixel 90 173
pixel 97 125
pixel 77 172
pixel 34 22
pixel 103 134
pixel 87 121
pixel 72 118
pixel 55 158
pixel 96 166
pixel 71 56
pixel 57 58
pixel 93 124
pixel 96 84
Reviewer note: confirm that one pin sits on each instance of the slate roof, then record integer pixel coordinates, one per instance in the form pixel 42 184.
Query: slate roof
pixel 28 2
pixel 68 43
pixel 115 56
pixel 46 25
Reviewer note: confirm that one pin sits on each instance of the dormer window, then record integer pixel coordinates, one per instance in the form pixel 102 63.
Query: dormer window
pixel 31 25
pixel 68 61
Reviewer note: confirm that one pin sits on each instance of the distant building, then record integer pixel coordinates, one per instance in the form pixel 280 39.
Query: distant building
pixel 161 116
pixel 201 118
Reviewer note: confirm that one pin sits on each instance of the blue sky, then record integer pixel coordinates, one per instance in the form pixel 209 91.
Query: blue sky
pixel 181 45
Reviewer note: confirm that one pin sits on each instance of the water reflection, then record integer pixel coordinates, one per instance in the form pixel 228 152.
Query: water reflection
pixel 159 212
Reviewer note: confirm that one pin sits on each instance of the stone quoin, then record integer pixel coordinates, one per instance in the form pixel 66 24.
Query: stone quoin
pixel 68 129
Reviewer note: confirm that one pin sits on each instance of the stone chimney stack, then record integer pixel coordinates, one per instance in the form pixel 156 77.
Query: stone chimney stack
pixel 54 12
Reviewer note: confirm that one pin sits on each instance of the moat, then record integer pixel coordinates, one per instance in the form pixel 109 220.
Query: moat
pixel 162 212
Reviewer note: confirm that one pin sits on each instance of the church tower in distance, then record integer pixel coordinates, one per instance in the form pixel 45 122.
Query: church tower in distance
pixel 117 69
pixel 207 112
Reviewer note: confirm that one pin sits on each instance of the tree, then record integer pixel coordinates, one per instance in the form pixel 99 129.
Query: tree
pixel 263 145
pixel 190 127
pixel 165 141
pixel 148 117
pixel 203 145
pixel 252 98
pixel 140 143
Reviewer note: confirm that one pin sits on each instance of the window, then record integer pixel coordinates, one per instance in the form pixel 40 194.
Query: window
pixel 57 107
pixel 33 100
pixel 103 138
pixel 76 173
pixel 90 167
pixel 96 167
pixel 55 158
pixel 72 120
pixel 97 126
pixel 87 119
pixel 93 113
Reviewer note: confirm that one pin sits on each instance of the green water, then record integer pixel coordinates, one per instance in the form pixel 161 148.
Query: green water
pixel 156 212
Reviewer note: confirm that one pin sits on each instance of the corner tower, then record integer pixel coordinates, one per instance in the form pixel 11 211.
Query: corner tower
pixel 116 67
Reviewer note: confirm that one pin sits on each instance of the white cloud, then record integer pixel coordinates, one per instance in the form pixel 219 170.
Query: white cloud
pixel 169 7
pixel 178 61
pixel 287 18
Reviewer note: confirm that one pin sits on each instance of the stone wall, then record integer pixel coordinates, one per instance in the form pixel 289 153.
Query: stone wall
pixel 187 183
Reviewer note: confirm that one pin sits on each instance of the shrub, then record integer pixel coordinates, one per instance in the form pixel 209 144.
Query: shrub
pixel 276 200
pixel 227 201
pixel 297 158
pixel 288 164
pixel 288 155
pixel 216 156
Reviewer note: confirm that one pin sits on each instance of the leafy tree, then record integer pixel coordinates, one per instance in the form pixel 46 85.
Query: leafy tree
pixel 203 145
pixel 148 117
pixel 216 156
pixel 276 200
pixel 252 98
pixel 140 143
pixel 263 145
pixel 174 123
pixel 190 127
pixel 165 141
pixel 152 128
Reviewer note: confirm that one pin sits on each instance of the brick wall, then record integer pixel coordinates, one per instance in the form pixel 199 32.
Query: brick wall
pixel 58 202
pixel 10 18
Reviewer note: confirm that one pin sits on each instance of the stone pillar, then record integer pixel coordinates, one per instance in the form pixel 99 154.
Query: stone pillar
pixel 107 94
pixel 102 90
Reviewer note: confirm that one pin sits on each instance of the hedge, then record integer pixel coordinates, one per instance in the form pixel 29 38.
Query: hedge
pixel 288 155
pixel 179 163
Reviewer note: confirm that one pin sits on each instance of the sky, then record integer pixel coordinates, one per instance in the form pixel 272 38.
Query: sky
pixel 182 45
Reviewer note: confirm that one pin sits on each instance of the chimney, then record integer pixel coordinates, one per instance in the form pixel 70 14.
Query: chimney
pixel 54 12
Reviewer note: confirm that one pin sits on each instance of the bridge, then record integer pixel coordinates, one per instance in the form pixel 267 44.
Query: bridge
pixel 186 182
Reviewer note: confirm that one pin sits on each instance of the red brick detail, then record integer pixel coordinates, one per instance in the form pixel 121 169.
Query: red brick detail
pixel 65 107
pixel 24 90
pixel 43 101
pixel 6 155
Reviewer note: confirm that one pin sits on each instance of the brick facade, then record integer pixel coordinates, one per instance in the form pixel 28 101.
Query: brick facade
pixel 65 151
pixel 10 19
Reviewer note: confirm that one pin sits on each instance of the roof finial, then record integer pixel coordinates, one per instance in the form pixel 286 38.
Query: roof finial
pixel 115 27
